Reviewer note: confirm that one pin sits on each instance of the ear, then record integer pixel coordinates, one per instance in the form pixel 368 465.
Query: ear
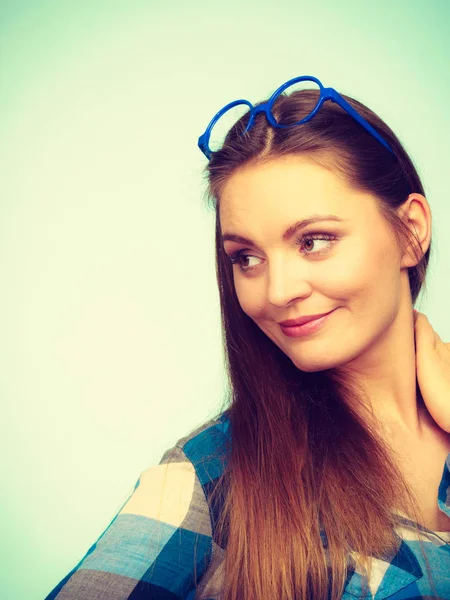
pixel 417 215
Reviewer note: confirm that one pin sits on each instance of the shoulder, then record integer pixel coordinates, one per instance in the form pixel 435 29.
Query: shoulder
pixel 201 454
pixel 167 511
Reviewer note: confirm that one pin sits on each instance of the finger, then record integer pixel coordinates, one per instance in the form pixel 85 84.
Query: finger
pixel 425 334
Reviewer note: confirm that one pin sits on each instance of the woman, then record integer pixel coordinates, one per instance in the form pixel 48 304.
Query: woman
pixel 326 474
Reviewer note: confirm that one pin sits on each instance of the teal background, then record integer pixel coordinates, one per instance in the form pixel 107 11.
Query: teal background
pixel 109 316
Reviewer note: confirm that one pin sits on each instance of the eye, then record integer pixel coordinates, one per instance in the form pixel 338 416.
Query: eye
pixel 308 237
pixel 241 255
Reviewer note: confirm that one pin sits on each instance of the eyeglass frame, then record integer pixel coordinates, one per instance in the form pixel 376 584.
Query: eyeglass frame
pixel 326 93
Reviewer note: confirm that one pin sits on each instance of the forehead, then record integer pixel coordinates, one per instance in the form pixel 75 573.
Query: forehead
pixel 289 186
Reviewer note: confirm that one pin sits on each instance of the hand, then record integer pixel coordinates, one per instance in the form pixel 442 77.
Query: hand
pixel 433 370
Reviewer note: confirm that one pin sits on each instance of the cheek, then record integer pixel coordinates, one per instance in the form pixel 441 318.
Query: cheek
pixel 369 276
pixel 352 277
pixel 250 298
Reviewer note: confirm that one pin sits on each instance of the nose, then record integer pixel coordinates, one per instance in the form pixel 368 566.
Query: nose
pixel 285 285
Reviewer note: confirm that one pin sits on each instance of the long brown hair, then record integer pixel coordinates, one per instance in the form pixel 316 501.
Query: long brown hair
pixel 303 463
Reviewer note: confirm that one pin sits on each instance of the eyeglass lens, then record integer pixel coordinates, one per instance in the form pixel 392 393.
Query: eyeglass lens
pixel 232 115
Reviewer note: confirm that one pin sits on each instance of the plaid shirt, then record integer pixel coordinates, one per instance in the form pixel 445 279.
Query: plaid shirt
pixel 162 540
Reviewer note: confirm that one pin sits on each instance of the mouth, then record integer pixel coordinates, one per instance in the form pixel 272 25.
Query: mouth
pixel 306 328
pixel 302 320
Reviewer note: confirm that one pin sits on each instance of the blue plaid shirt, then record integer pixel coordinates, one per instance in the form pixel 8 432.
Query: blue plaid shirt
pixel 162 541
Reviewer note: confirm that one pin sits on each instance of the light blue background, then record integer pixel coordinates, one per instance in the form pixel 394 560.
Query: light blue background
pixel 109 316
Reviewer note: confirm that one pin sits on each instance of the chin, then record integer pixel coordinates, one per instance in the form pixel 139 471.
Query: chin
pixel 313 366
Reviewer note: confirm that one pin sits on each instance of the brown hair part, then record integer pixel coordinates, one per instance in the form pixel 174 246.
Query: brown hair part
pixel 301 460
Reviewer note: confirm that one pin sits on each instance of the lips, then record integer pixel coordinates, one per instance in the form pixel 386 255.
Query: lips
pixel 302 320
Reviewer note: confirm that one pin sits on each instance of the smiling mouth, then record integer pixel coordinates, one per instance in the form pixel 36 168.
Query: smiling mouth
pixel 303 320
pixel 307 328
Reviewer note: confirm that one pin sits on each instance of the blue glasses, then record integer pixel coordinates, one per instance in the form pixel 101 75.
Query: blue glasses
pixel 266 108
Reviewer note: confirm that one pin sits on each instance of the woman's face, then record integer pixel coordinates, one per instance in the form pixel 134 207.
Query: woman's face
pixel 356 273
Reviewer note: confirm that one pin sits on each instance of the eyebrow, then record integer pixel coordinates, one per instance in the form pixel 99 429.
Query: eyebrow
pixel 290 231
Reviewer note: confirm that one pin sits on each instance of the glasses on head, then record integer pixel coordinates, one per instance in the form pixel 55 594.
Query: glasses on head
pixel 212 139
